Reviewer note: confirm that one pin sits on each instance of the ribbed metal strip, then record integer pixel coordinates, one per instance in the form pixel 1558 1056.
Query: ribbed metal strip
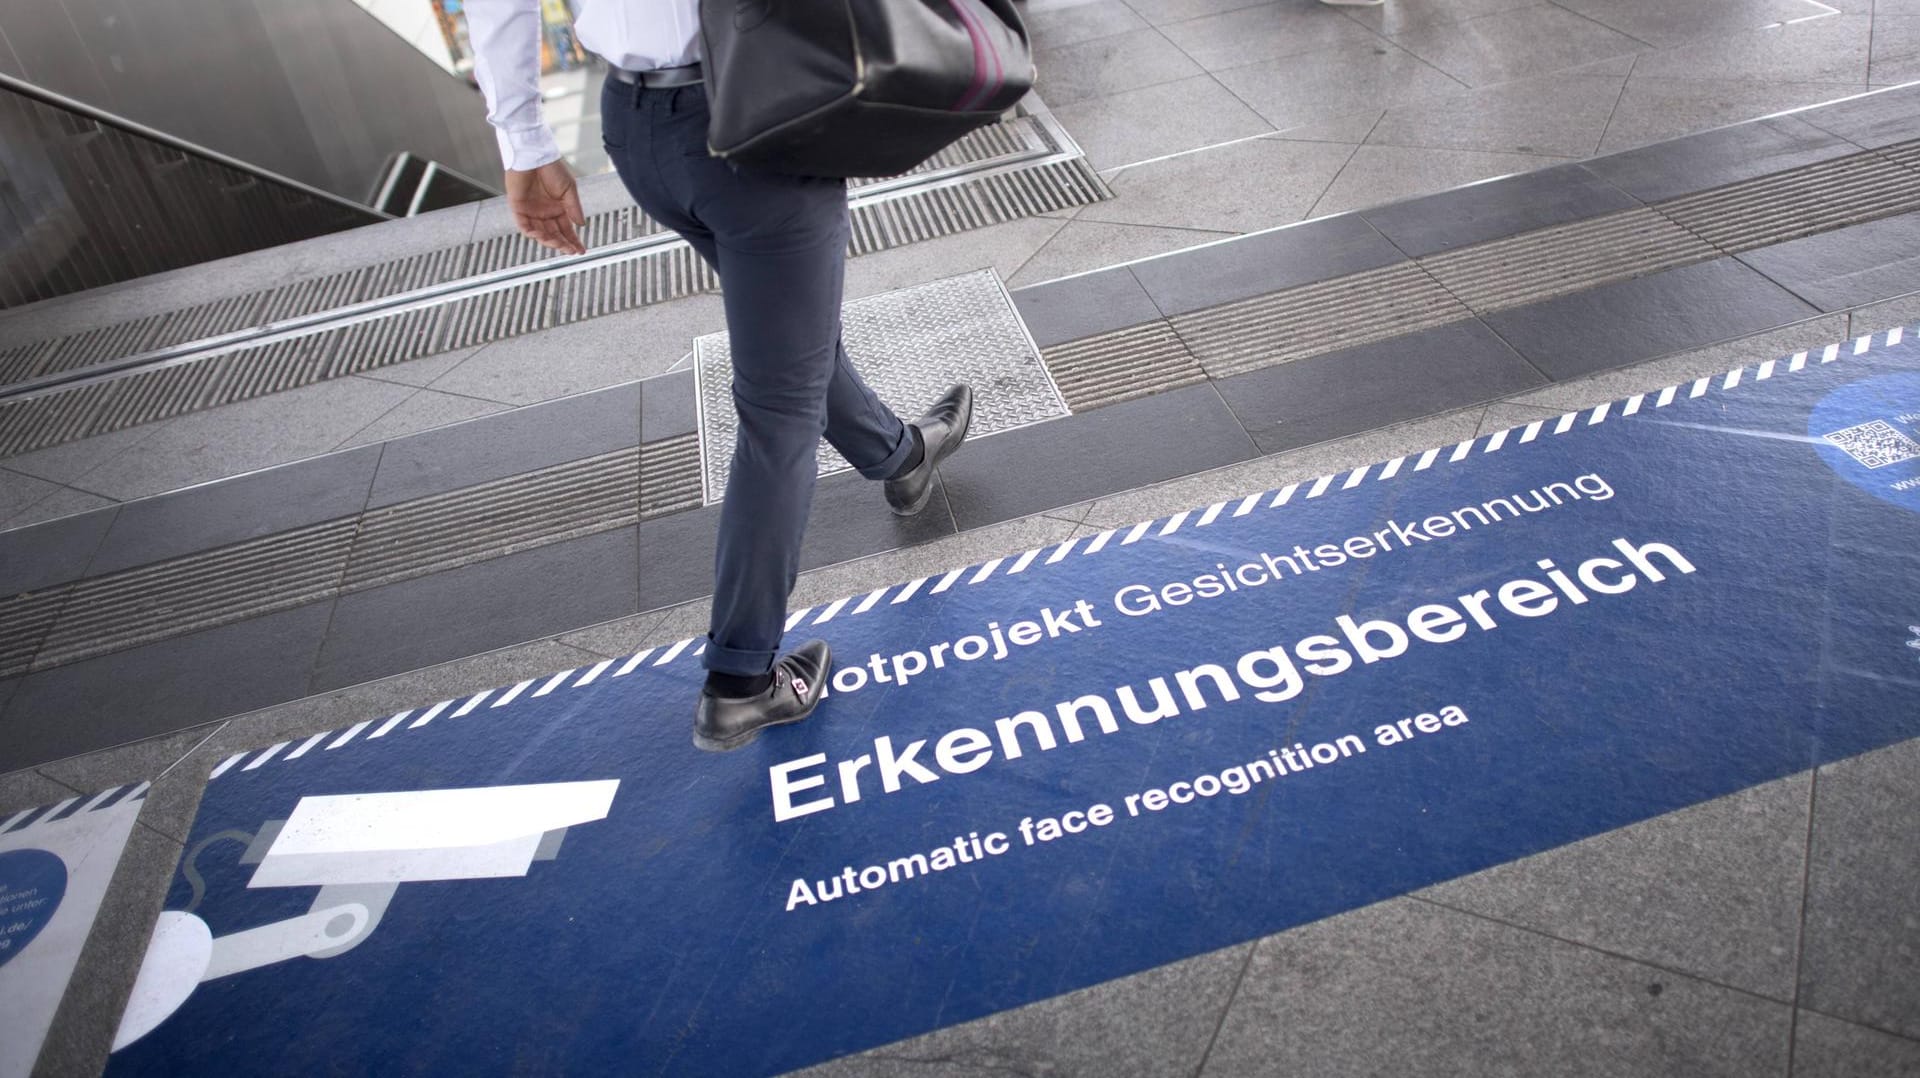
pixel 490 316
pixel 492 519
pixel 635 282
pixel 1000 140
pixel 200 591
pixel 208 320
pixel 1786 206
pixel 1127 363
pixel 1316 318
pixel 1567 258
pixel 24 621
pixel 105 343
pixel 670 475
pixel 21 362
pixel 974 203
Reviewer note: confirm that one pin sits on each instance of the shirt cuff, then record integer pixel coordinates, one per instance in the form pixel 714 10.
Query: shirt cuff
pixel 526 148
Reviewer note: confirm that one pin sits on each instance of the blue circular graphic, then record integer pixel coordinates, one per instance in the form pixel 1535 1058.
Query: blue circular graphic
pixel 1869 433
pixel 32 883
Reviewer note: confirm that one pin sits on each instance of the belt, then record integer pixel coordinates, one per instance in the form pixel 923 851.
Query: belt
pixel 661 79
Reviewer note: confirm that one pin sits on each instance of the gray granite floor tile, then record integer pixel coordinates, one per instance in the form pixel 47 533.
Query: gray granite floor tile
pixel 140 761
pixel 1378 175
pixel 1358 389
pixel 1160 12
pixel 1560 115
pixel 1154 1023
pixel 1662 24
pixel 1088 245
pixel 1240 187
pixel 1265 262
pixel 45 554
pixel 1093 454
pixel 1895 56
pixel 1506 415
pixel 1862 941
pixel 1820 50
pixel 1236 481
pixel 20 492
pixel 1401 15
pixel 263 503
pixel 1405 987
pixel 422 372
pixel 1082 306
pixel 162 687
pixel 1513 44
pixel 1121 129
pixel 27 788
pixel 1904 311
pixel 1320 86
pixel 1267 32
pixel 1351 128
pixel 62 503
pixel 621 636
pixel 69 461
pixel 1657 315
pixel 1686 366
pixel 1556 195
pixel 1712 891
pixel 510 443
pixel 1848 267
pixel 1715 158
pixel 237 438
pixel 1003 248
pixel 1108 65
pixel 487 605
pixel 1872 120
pixel 1829 1048
pixel 1067 22
pixel 1653 109
pixel 668 406
pixel 427 409
pixel 584 356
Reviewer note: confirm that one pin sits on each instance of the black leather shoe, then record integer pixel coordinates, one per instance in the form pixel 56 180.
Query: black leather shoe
pixel 943 428
pixel 725 723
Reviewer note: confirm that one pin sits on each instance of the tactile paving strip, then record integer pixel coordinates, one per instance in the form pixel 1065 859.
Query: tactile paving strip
pixel 909 345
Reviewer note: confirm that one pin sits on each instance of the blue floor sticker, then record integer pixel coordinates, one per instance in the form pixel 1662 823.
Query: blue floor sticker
pixel 1077 762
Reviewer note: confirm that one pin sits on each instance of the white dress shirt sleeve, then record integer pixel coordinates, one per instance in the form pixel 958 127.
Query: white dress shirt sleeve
pixel 506 63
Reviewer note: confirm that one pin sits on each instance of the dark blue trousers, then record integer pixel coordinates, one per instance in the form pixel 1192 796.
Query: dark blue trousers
pixel 779 245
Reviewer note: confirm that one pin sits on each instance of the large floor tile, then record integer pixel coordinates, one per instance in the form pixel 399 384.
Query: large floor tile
pixel 1829 1048
pixel 1109 65
pixel 162 687
pixel 1153 121
pixel 20 492
pixel 1378 175
pixel 1101 452
pixel 246 507
pixel 490 604
pixel 1402 15
pixel 1714 158
pixel 1713 890
pixel 1561 115
pixel 1895 57
pixel 51 553
pixel 1405 987
pixel 1514 44
pixel 1832 49
pixel 1082 306
pixel 26 788
pixel 1240 187
pixel 585 356
pixel 64 502
pixel 1267 32
pixel 1067 22
pixel 1333 82
pixel 1872 120
pixel 428 409
pixel 1662 23
pixel 668 406
pixel 1165 11
pixel 1543 198
pixel 508 444
pixel 1392 381
pixel 1653 108
pixel 1848 267
pixel 1083 245
pixel 69 461
pixel 1265 262
pixel 1003 248
pixel 1862 939
pixel 1674 311
pixel 1155 1023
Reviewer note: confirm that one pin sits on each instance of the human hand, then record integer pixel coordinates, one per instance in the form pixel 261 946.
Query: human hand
pixel 546 206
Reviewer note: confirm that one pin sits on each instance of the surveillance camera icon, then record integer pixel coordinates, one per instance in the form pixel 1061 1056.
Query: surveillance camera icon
pixel 358 849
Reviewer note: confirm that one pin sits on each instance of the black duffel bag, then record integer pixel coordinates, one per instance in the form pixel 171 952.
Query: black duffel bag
pixel 856 87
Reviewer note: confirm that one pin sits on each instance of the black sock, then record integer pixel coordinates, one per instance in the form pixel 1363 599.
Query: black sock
pixel 914 458
pixel 735 686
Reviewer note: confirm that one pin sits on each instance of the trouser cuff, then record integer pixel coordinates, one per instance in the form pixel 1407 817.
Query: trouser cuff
pixel 744 662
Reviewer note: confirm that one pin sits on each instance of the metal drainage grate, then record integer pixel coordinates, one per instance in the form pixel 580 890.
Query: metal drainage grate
pixel 909 345
pixel 1567 258
pixel 1138 361
pixel 1773 209
pixel 1316 318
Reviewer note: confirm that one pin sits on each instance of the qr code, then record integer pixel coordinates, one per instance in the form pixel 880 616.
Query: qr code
pixel 1876 444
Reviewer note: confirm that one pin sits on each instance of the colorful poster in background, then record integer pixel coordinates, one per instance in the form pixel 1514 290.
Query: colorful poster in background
pixel 55 864
pixel 1076 762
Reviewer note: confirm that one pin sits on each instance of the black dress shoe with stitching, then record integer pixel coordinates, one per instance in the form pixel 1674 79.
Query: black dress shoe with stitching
pixel 725 723
pixel 942 430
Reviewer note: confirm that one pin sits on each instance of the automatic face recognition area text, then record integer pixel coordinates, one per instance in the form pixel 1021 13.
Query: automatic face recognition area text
pixel 1185 734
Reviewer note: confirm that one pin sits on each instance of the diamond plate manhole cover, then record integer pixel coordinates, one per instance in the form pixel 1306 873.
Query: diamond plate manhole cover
pixel 909 345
